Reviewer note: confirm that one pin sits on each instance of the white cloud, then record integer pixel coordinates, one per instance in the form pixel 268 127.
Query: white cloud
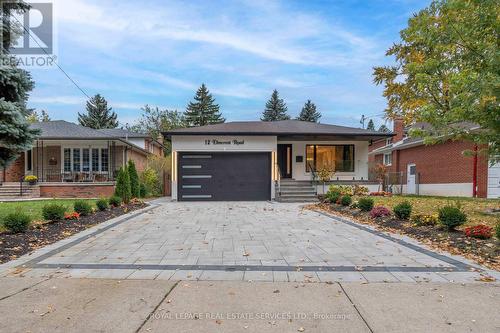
pixel 66 100
pixel 273 33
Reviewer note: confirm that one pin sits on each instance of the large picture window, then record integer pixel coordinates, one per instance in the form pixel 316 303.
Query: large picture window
pixel 340 158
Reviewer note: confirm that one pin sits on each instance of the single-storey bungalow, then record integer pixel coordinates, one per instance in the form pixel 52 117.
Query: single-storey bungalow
pixel 440 169
pixel 71 160
pixel 252 160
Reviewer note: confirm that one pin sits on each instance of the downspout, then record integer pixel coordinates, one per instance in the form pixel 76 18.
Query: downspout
pixel 474 174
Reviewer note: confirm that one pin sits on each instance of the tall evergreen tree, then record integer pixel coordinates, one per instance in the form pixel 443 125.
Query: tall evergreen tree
pixel 371 125
pixel 309 112
pixel 15 85
pixel 123 188
pixel 98 114
pixel 276 109
pixel 203 110
pixel 383 129
pixel 134 179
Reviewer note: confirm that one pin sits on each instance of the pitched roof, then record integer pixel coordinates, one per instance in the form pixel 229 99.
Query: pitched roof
pixel 122 133
pixel 60 129
pixel 284 127
pixel 409 142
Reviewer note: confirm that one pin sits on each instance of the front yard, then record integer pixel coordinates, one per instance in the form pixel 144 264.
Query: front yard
pixel 475 208
pixel 424 223
pixel 40 232
pixel 34 208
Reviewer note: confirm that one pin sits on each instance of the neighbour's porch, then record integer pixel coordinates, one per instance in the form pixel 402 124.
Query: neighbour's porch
pixel 75 161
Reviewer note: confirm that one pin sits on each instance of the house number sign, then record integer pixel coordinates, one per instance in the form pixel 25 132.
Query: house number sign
pixel 234 142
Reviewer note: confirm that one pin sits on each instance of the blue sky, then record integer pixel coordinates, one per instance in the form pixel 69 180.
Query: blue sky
pixel 159 52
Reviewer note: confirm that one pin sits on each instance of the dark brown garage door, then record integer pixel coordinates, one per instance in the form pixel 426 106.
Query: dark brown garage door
pixel 224 176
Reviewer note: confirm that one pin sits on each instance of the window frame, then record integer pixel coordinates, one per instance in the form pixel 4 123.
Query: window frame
pixel 91 150
pixel 330 145
pixel 390 159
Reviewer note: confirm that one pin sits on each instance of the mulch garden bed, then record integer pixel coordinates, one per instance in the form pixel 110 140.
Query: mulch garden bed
pixel 484 251
pixel 13 246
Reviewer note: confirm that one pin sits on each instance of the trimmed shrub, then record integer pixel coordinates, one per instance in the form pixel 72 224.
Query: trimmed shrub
pixel 379 211
pixel 53 212
pixel 497 229
pixel 82 207
pixel 342 189
pixel 423 219
pixel 480 231
pixel 346 200
pixel 142 190
pixel 360 190
pixel 134 179
pixel 17 222
pixel 115 201
pixel 123 189
pixel 403 210
pixel 102 204
pixel 333 197
pixel 151 180
pixel 366 204
pixel 451 217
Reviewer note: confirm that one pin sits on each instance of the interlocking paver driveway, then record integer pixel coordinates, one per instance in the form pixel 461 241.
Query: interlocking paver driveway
pixel 250 241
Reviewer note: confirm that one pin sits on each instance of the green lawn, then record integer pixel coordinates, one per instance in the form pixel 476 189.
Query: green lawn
pixel 33 208
pixel 474 207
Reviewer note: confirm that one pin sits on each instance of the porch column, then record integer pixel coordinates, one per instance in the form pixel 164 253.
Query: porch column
pixel 43 162
pixel 37 155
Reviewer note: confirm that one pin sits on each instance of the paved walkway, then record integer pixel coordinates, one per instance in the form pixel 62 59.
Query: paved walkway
pixel 242 241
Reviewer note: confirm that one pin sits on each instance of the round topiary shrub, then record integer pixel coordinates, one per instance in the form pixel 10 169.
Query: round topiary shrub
pixel 17 222
pixel 82 207
pixel 366 204
pixel 102 204
pixel 115 201
pixel 346 200
pixel 53 212
pixel 403 210
pixel 451 217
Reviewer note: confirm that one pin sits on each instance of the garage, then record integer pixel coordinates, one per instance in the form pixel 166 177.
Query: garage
pixel 494 181
pixel 224 176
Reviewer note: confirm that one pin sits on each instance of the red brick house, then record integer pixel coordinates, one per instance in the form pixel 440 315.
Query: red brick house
pixel 70 160
pixel 440 169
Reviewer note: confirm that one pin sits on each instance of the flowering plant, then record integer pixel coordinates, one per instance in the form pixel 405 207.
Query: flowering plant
pixel 379 211
pixel 72 216
pixel 423 219
pixel 30 178
pixel 480 231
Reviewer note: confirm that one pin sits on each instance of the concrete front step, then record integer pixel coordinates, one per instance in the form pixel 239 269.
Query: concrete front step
pixel 281 199
pixel 13 190
pixel 295 193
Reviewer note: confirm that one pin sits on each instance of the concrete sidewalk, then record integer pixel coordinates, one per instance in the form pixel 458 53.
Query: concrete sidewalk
pixel 98 305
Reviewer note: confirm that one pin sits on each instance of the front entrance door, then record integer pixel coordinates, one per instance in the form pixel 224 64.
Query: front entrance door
pixel 285 160
pixel 411 185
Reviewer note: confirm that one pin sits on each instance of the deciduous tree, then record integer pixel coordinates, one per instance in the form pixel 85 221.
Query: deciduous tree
pixel 446 72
